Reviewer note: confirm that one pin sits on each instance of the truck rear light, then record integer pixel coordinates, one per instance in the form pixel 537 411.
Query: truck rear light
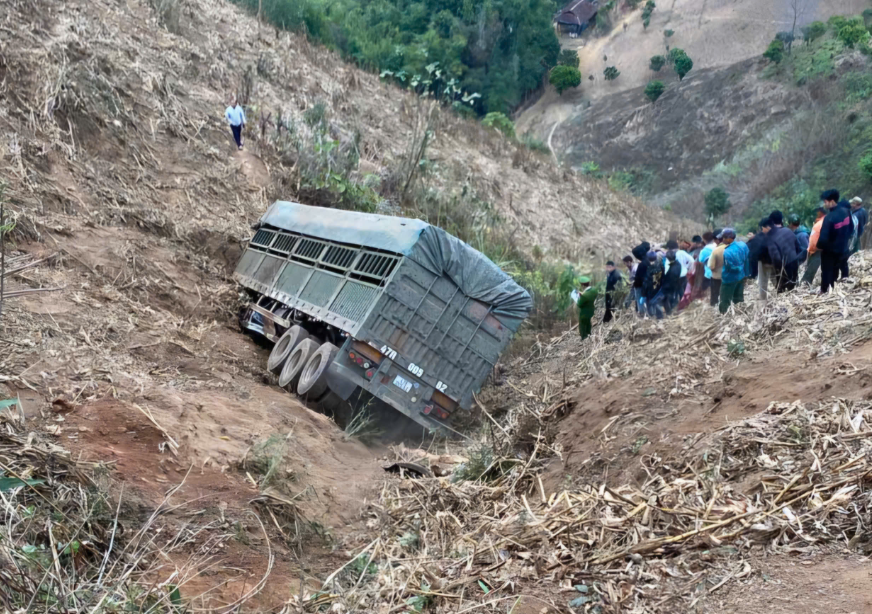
pixel 369 374
pixel 352 355
pixel 428 410
pixel 437 411
pixel 443 401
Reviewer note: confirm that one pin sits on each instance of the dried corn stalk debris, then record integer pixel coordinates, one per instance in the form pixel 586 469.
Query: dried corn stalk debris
pixel 792 477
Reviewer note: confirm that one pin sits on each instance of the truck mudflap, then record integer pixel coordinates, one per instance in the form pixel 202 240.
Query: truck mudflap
pixel 339 382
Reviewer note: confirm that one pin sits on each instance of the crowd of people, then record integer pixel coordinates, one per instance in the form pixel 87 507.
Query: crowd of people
pixel 663 279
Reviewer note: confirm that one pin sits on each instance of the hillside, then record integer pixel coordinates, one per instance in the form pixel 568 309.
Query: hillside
pixel 772 135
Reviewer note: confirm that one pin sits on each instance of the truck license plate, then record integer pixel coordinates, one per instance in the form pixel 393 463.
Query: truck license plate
pixel 402 384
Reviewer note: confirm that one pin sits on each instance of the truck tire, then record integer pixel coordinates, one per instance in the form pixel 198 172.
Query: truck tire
pixel 295 364
pixel 313 380
pixel 284 346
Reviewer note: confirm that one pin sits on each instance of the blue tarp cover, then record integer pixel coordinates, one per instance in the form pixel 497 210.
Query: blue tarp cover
pixel 429 246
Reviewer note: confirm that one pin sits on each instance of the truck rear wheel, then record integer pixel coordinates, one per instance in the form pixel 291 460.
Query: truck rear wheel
pixel 295 364
pixel 313 381
pixel 284 346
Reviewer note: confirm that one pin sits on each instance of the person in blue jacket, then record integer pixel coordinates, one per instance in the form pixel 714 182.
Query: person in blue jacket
pixel 736 269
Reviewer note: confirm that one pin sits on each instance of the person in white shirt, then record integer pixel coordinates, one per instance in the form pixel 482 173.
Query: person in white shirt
pixel 685 260
pixel 235 116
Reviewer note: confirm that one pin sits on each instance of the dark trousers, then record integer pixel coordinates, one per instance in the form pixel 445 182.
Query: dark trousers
pixel 584 325
pixel 731 294
pixel 716 291
pixel 786 277
pixel 811 268
pixel 843 266
pixel 237 134
pixel 829 270
pixel 608 315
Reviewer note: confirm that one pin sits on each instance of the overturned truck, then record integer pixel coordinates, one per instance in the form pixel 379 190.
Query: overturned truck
pixel 393 306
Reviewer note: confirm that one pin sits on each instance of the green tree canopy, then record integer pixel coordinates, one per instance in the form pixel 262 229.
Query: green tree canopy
pixel 866 164
pixel 854 32
pixel 501 122
pixel 499 49
pixel 775 52
pixel 683 65
pixel 814 31
pixel 657 63
pixel 717 203
pixel 654 90
pixel 611 73
pixel 564 77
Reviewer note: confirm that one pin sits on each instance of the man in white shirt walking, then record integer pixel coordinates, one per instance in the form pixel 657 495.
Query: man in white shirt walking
pixel 235 116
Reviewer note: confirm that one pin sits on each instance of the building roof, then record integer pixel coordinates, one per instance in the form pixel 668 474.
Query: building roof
pixel 578 12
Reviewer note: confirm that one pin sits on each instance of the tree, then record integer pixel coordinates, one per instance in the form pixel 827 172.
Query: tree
pixel 683 65
pixel 654 90
pixel 797 8
pixel 611 73
pixel 657 62
pixel 813 31
pixel 568 57
pixel 647 11
pixel 866 164
pixel 564 77
pixel 854 32
pixel 717 203
pixel 787 38
pixel 775 52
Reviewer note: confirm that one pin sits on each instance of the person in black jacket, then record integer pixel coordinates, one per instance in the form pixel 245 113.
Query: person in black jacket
pixel 784 251
pixel 641 254
pixel 652 286
pixel 672 283
pixel 834 242
pixel 613 281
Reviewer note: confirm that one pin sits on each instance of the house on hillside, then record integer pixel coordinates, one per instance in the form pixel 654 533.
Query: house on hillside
pixel 576 16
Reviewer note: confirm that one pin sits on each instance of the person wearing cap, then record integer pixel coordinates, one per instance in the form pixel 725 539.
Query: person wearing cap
pixel 834 241
pixel 734 270
pixel 586 299
pixel 614 281
pixel 715 265
pixel 813 261
pixel 784 251
pixel 652 287
pixel 862 218
pixel 802 235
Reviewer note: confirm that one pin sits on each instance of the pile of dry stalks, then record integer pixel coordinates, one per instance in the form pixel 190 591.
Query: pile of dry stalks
pixel 793 477
pixel 63 548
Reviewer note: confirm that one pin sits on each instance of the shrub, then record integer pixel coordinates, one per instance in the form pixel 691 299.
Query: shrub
pixel 668 33
pixel 611 73
pixel 463 110
pixel 717 203
pixel 591 169
pixel 814 31
pixel 501 122
pixel 657 62
pixel 564 77
pixel 854 32
pixel 837 22
pixel 654 90
pixel 535 144
pixel 568 57
pixel 775 52
pixel 683 65
pixel 867 17
pixel 647 11
pixel 866 164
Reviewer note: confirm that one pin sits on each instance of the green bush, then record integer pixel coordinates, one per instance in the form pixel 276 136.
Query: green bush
pixel 775 52
pixel 674 54
pixel 866 164
pixel 534 144
pixel 591 169
pixel 683 65
pixel 657 63
pixel 717 203
pixel 568 57
pixel 621 181
pixel 668 33
pixel 867 17
pixel 611 73
pixel 854 33
pixel 647 12
pixel 814 31
pixel 654 90
pixel 564 77
pixel 501 122
pixel 837 22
